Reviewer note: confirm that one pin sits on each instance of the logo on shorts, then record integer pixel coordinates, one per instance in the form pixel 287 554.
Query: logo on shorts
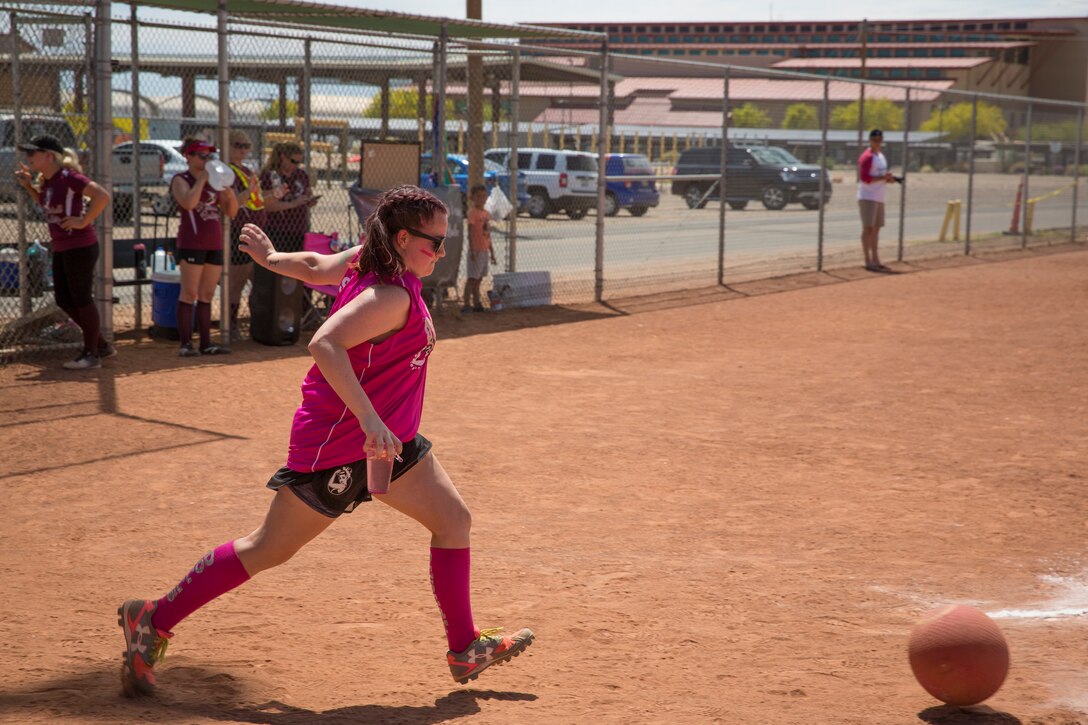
pixel 340 481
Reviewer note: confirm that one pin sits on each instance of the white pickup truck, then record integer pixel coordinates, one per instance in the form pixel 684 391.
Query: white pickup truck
pixel 122 168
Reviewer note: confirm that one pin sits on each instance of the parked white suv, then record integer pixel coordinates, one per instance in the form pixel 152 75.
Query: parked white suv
pixel 555 180
pixel 171 162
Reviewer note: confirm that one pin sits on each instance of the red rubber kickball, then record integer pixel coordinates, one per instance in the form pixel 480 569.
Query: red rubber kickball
pixel 958 655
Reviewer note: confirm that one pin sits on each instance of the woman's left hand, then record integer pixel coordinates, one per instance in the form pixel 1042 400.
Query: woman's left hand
pixel 72 223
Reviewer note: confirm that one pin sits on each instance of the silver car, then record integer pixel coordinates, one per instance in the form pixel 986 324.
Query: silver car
pixel 162 202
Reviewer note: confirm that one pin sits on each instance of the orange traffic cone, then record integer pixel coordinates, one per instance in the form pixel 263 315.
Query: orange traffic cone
pixel 1014 227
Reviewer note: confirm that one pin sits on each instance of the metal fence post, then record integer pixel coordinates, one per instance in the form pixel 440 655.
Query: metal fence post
pixel 304 107
pixel 88 74
pixel 602 158
pixel 1076 173
pixel 724 177
pixel 824 110
pixel 440 103
pixel 224 156
pixel 20 197
pixel 512 161
pixel 103 113
pixel 134 35
pixel 1027 177
pixel 971 175
pixel 903 186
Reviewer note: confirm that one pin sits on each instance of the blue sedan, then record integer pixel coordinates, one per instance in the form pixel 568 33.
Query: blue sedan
pixel 635 196
pixel 457 165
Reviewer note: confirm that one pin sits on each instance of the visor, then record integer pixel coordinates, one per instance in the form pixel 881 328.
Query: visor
pixel 197 147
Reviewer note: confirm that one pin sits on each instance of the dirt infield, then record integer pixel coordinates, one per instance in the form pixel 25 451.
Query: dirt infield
pixel 721 506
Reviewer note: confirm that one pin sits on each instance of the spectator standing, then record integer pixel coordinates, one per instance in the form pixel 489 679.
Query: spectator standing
pixel 251 210
pixel 480 249
pixel 873 179
pixel 288 198
pixel 199 245
pixel 54 180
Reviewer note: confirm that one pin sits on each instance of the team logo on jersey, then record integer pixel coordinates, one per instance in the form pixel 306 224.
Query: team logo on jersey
pixel 340 481
pixel 422 355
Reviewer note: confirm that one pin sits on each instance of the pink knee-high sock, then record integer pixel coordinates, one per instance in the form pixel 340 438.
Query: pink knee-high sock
pixel 214 575
pixel 450 582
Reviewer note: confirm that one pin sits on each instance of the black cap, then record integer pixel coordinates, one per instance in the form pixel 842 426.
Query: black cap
pixel 875 133
pixel 42 143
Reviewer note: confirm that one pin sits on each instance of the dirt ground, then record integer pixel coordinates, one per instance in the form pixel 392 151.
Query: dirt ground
pixel 721 506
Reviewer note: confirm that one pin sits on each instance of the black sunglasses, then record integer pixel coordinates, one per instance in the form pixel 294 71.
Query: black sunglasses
pixel 242 146
pixel 436 241
pixel 296 162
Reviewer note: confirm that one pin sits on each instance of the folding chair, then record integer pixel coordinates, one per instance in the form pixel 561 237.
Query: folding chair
pixel 317 310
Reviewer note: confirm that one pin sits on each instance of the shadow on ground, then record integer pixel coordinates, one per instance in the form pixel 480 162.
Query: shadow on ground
pixel 205 695
pixel 977 715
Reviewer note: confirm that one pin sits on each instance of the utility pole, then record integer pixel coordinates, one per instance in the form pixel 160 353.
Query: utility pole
pixel 475 97
pixel 861 97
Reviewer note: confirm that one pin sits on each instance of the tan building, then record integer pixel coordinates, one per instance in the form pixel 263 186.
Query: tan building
pixel 1040 57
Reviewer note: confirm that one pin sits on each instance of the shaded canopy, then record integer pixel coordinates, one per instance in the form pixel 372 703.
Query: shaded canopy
pixel 345 18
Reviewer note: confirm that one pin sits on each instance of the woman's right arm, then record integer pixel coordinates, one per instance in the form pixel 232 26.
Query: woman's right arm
pixel 187 196
pixel 309 267
pixel 274 205
pixel 25 180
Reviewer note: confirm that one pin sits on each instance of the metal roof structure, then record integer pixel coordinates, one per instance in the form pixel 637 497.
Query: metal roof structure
pixel 344 18
pixel 941 63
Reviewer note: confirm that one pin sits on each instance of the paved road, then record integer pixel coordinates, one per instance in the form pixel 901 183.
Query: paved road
pixel 674 233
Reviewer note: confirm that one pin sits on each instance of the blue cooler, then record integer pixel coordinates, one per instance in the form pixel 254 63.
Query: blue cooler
pixel 165 291
pixel 9 270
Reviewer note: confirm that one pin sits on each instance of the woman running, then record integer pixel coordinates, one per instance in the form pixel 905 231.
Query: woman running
pixel 362 398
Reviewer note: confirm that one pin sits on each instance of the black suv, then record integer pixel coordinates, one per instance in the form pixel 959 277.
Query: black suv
pixel 768 174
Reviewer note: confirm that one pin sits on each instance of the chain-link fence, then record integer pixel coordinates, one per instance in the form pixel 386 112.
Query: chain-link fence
pixel 45 88
pixel 603 174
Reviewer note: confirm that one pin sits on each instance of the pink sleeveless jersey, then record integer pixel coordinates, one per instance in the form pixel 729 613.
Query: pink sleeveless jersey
pixel 325 433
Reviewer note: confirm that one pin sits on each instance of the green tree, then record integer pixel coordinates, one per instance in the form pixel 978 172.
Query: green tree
pixel 404 103
pixel 1063 131
pixel 750 116
pixel 954 122
pixel 801 115
pixel 272 113
pixel 879 113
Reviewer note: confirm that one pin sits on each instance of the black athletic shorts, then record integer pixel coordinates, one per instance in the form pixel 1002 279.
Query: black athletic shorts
pixel 201 256
pixel 338 490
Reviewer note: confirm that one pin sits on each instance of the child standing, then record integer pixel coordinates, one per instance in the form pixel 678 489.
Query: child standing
pixel 480 249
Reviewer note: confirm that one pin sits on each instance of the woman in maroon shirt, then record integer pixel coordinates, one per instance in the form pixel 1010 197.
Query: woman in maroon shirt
pixel 288 198
pixel 52 177
pixel 200 245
